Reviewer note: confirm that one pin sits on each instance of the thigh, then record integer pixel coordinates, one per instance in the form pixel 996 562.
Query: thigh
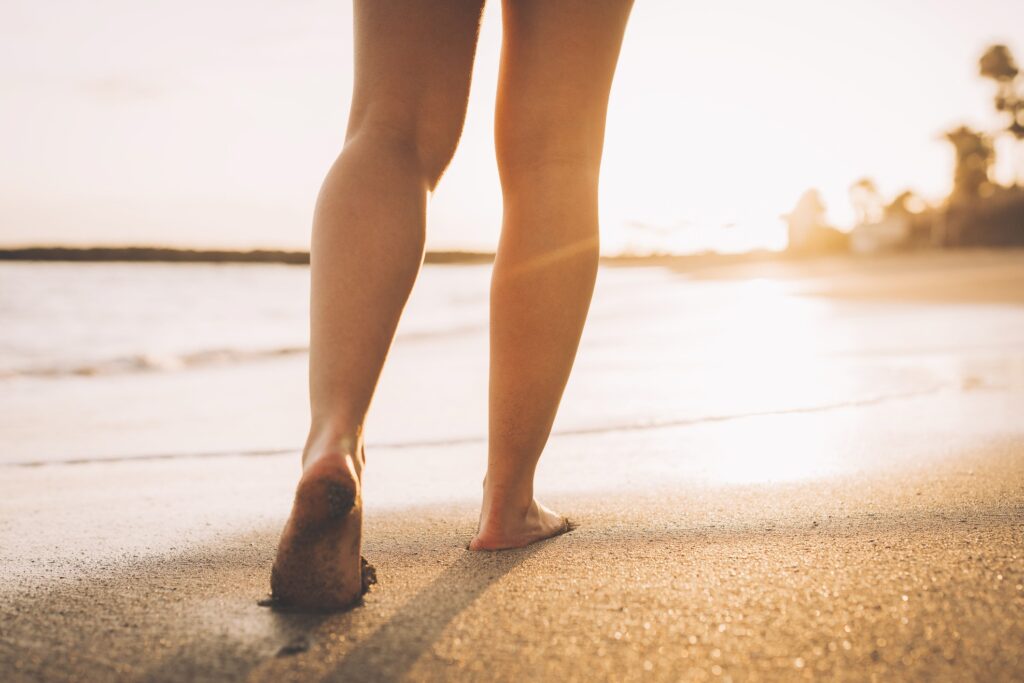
pixel 413 63
pixel 557 62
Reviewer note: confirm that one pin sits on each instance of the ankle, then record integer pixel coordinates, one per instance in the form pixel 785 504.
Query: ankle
pixel 503 507
pixel 324 439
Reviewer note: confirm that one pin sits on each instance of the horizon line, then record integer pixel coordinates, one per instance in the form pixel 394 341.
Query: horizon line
pixel 160 254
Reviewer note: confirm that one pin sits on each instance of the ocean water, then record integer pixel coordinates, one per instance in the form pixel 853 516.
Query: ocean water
pixel 69 319
pixel 139 360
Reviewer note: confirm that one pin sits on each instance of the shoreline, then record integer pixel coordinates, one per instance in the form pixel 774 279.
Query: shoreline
pixel 905 556
pixel 680 262
pixel 138 254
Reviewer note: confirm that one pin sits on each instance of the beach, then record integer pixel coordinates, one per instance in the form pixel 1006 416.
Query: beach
pixel 789 468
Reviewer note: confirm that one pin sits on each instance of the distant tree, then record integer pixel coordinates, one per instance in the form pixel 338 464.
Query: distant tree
pixel 974 158
pixel 997 63
pixel 867 201
pixel 904 204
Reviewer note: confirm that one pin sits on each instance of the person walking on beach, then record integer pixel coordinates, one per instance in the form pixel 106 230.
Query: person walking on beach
pixel 413 61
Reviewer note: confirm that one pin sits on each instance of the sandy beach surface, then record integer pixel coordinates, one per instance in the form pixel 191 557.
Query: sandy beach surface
pixel 803 469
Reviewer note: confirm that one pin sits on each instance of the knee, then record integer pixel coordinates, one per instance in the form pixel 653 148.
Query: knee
pixel 547 159
pixel 532 175
pixel 427 145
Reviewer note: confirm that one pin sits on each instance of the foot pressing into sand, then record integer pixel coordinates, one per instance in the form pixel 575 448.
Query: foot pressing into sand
pixel 318 565
pixel 505 526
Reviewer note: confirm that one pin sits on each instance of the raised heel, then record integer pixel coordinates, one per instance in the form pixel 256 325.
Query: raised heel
pixel 327 495
pixel 340 500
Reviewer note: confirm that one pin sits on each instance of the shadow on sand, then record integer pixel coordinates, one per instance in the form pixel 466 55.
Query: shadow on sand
pixel 391 651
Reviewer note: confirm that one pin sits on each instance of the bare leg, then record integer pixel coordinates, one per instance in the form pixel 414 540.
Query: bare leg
pixel 557 63
pixel 413 64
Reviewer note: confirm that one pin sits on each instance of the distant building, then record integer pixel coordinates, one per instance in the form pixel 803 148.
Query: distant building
pixel 904 223
pixel 806 217
pixel 807 229
pixel 892 232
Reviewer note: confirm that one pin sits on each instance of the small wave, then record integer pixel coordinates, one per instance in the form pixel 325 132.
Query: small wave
pixel 169 362
pixel 152 362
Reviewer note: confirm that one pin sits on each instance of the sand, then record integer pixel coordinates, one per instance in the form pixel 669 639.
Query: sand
pixel 873 531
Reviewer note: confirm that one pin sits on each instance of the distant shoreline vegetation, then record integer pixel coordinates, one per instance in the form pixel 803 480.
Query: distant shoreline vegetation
pixel 170 255
pixel 299 258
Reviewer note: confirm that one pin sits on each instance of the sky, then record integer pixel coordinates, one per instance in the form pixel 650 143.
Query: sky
pixel 210 124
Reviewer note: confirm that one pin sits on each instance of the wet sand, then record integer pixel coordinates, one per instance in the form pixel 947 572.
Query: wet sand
pixel 868 533
pixel 962 276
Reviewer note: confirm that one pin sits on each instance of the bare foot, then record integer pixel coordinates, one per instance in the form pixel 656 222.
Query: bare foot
pixel 318 564
pixel 503 529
